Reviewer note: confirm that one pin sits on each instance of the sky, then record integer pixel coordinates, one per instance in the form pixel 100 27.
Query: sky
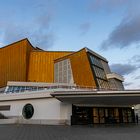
pixel 108 27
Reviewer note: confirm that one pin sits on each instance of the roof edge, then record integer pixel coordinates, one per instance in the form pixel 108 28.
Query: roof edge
pixel 68 55
pixel 25 39
pixel 96 54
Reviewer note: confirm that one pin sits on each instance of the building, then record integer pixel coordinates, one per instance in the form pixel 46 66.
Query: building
pixel 61 87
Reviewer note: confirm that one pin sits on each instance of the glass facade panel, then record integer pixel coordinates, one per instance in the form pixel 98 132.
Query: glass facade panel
pixel 106 67
pixel 99 72
pixel 100 68
pixel 116 84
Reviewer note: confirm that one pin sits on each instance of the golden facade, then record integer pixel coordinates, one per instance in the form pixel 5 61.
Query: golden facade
pixel 82 73
pixel 14 61
pixel 20 61
pixel 41 68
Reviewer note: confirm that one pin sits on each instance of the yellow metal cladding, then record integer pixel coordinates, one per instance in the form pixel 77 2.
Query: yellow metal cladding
pixel 14 62
pixel 41 65
pixel 82 73
pixel 21 62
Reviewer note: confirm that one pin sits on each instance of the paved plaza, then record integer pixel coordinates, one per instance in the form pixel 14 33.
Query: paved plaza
pixel 44 132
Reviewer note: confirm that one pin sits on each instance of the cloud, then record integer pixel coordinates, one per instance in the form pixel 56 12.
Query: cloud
pixel 84 28
pixel 135 58
pixel 1 44
pixel 107 5
pixel 43 35
pixel 137 77
pixel 38 28
pixel 125 34
pixel 128 83
pixel 123 69
pixel 39 33
pixel 13 32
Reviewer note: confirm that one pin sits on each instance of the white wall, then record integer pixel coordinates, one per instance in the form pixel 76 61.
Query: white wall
pixel 49 109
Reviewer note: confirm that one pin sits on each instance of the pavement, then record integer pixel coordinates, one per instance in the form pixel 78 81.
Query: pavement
pixel 45 132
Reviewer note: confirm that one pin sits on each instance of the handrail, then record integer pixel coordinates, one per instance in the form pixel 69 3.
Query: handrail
pixel 63 87
pixel 89 88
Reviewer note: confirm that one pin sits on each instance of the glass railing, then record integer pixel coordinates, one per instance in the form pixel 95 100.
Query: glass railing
pixel 21 89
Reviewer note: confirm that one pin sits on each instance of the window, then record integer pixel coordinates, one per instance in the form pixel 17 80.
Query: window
pixel 99 72
pixel 28 111
pixel 63 72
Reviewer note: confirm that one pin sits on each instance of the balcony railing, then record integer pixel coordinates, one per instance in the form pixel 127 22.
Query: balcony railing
pixel 57 88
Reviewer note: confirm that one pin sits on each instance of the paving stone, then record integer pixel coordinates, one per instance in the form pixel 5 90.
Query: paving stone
pixel 46 132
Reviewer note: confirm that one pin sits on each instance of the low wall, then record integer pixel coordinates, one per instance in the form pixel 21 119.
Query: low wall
pixel 33 121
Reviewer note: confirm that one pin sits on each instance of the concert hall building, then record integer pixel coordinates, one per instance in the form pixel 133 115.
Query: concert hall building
pixel 62 87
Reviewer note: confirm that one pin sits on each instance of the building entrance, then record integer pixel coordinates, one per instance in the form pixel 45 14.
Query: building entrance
pixel 101 115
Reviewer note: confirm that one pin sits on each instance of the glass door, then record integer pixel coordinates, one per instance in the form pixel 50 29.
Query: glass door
pixel 101 115
pixel 129 113
pixel 82 115
pixel 125 115
pixel 95 115
pixel 116 115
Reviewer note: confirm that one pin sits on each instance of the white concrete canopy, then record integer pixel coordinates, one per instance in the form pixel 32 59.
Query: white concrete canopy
pixel 116 98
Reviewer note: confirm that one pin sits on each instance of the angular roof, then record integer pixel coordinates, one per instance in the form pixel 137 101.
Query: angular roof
pixel 87 50
pixel 25 39
pixel 96 54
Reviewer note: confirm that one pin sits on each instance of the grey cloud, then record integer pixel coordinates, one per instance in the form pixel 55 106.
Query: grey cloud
pixel 38 28
pixel 84 28
pixel 126 33
pixel 123 69
pixel 39 34
pixel 14 32
pixel 43 35
pixel 137 77
pixel 1 44
pixel 127 83
pixel 136 58
pixel 108 5
pixel 43 40
pixel 44 20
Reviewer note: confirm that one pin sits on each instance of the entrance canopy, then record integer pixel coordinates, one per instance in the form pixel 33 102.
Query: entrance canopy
pixel 116 98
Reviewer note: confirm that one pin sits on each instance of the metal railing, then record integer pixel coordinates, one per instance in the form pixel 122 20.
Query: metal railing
pixel 22 89
pixel 58 88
